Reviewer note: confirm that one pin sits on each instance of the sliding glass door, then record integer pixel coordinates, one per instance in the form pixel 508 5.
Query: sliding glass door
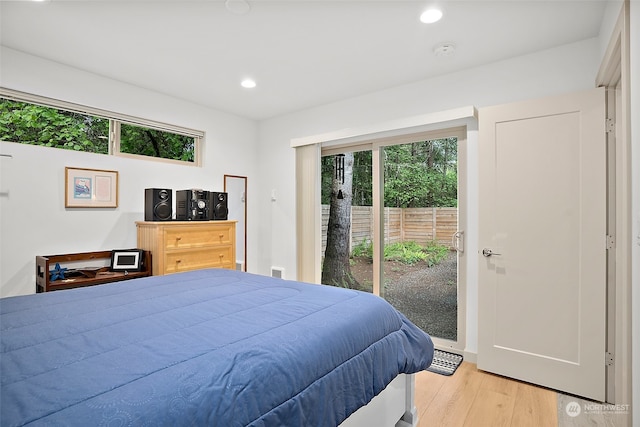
pixel 420 219
pixel 390 225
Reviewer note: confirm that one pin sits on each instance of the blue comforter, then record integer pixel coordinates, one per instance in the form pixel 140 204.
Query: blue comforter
pixel 209 347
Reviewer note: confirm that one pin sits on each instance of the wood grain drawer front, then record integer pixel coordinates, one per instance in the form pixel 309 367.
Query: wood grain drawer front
pixel 193 259
pixel 188 245
pixel 188 237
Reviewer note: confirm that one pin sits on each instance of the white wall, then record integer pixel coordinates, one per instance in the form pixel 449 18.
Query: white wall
pixel 33 219
pixel 609 21
pixel 561 70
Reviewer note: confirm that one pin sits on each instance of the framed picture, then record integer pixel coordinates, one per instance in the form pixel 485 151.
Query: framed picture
pixel 127 259
pixel 90 188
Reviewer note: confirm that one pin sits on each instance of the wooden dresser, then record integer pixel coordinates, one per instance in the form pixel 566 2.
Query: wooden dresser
pixel 177 246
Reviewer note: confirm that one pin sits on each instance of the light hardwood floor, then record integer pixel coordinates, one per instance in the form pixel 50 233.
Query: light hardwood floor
pixel 475 398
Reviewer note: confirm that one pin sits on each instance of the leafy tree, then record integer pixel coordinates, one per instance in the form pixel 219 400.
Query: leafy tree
pixel 362 178
pixel 156 143
pixel 327 167
pixel 38 125
pixel 420 174
pixel 336 269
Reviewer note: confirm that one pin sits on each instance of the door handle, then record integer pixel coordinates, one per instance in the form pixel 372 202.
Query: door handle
pixel 457 241
pixel 488 252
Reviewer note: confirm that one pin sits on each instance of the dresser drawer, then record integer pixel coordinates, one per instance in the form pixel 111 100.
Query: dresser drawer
pixel 206 235
pixel 177 246
pixel 197 258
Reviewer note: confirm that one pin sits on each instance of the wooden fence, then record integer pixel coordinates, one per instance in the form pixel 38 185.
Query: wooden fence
pixel 421 225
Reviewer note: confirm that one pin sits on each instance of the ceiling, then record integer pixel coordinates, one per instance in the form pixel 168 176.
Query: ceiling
pixel 301 53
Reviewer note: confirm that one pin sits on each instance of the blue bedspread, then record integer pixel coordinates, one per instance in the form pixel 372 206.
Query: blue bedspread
pixel 203 348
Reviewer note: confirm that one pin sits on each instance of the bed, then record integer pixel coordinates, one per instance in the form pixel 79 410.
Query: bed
pixel 208 347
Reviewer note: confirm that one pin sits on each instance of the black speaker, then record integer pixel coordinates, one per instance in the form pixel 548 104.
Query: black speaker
pixel 193 205
pixel 157 204
pixel 219 206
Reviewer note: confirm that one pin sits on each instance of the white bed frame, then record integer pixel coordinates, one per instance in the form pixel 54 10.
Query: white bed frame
pixel 394 406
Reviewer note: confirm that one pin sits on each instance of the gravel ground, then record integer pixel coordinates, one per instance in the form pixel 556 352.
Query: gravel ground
pixel 426 295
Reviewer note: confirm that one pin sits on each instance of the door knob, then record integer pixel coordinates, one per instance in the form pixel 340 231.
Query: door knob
pixel 488 252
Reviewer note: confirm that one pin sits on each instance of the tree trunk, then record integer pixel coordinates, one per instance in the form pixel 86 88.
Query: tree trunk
pixel 154 143
pixel 336 269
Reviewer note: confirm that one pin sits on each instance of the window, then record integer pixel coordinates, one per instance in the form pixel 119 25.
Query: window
pixel 145 141
pixel 29 119
pixel 39 125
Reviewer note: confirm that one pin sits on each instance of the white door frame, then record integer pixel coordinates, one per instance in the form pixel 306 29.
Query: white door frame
pixel 614 74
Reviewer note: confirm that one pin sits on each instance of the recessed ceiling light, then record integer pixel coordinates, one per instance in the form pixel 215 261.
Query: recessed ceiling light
pixel 430 16
pixel 248 83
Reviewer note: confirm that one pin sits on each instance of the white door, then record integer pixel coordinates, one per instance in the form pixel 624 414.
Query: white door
pixel 542 276
pixel 236 189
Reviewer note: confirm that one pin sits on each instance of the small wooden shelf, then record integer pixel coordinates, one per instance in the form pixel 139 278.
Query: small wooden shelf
pixel 44 264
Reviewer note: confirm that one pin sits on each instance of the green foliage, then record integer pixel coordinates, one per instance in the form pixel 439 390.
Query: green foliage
pixel 362 175
pixel 363 249
pixel 327 172
pixel 436 253
pixel 404 252
pixel 49 127
pixel 419 174
pixel 156 143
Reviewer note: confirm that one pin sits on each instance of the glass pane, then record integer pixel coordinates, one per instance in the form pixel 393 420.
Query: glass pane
pixel 420 217
pixel 347 220
pixel 50 127
pixel 156 143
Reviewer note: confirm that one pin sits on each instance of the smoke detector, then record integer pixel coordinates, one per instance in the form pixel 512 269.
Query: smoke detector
pixel 444 49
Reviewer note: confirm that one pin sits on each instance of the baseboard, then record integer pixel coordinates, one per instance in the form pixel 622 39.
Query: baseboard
pixel 470 357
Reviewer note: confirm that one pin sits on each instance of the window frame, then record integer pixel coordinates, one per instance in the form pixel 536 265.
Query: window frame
pixel 115 119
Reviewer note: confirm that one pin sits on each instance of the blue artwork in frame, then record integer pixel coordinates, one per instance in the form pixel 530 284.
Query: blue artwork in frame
pixel 82 188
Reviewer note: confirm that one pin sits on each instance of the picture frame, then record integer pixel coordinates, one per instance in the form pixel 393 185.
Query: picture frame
pixel 90 188
pixel 127 260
